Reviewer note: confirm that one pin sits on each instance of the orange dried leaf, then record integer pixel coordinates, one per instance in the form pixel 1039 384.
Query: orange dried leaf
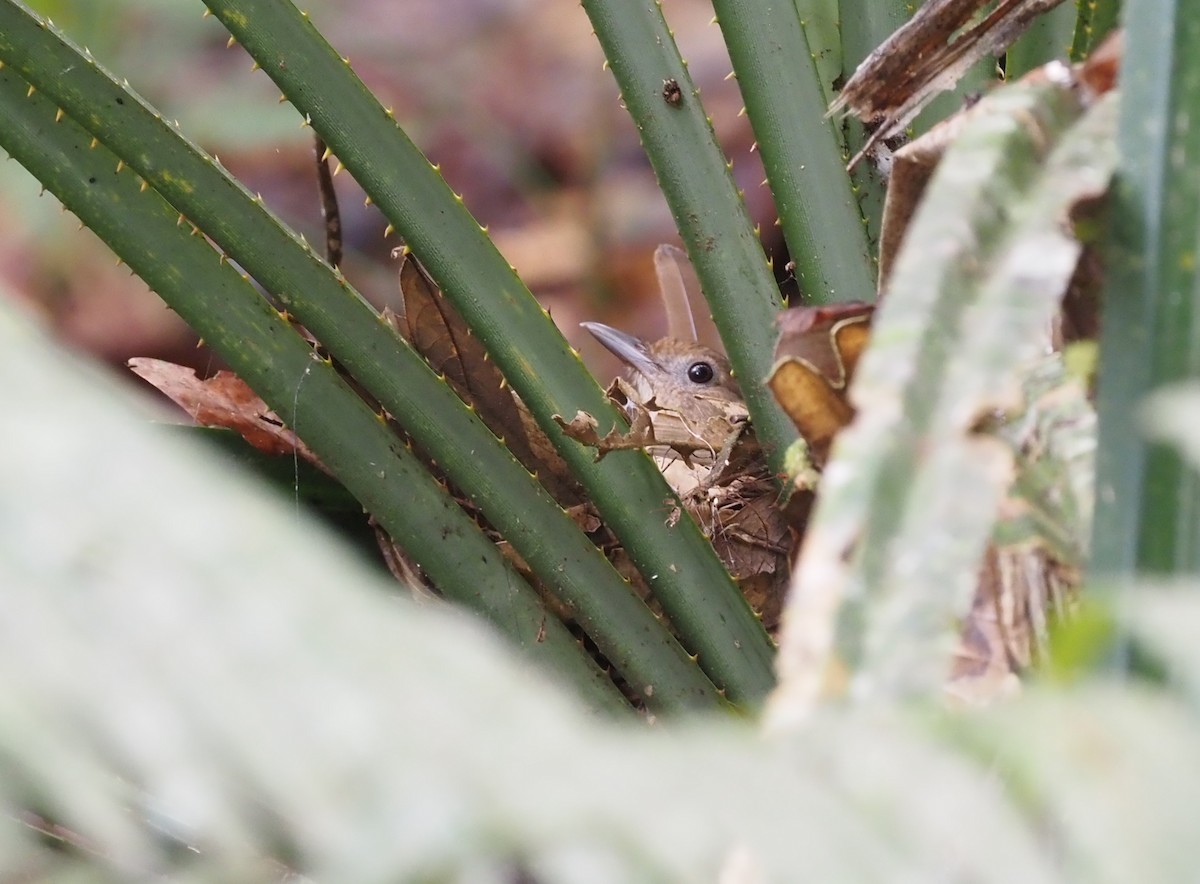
pixel 224 400
pixel 815 358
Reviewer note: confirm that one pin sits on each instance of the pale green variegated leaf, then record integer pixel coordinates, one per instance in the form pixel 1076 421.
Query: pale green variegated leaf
pixel 1173 415
pixel 907 504
pixel 1053 441
pixel 199 685
pixel 1108 772
pixel 1162 616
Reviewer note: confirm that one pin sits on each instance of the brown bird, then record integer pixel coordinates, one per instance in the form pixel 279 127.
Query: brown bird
pixel 695 404
pixel 709 456
pixel 680 376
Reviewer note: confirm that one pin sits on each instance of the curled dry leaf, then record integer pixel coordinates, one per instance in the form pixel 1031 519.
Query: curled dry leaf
pixel 815 358
pixel 224 400
pixel 583 429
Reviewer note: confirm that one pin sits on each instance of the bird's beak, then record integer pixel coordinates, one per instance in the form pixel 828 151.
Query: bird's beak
pixel 632 351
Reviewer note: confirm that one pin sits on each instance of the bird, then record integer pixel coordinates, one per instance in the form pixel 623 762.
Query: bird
pixel 680 376
pixel 706 451
pixel 695 403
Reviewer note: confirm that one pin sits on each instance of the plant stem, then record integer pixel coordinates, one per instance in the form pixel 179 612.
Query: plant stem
pixel 705 607
pixel 260 345
pixel 801 149
pixel 1147 500
pixel 624 629
pixel 709 211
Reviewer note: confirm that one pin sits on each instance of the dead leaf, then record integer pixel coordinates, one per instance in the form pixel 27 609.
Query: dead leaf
pixel 439 334
pixel 751 535
pixel 928 55
pixel 815 357
pixel 582 428
pixel 224 400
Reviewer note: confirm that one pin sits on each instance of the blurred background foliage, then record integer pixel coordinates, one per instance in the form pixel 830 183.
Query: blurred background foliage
pixel 508 96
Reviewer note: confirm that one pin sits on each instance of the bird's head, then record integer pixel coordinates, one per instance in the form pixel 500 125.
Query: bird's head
pixel 679 375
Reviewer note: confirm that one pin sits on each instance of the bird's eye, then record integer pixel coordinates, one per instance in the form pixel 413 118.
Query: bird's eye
pixel 700 372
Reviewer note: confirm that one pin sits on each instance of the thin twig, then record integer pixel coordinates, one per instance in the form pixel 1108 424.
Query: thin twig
pixel 329 204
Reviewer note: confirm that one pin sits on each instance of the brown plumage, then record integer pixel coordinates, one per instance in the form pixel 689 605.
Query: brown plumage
pixel 680 376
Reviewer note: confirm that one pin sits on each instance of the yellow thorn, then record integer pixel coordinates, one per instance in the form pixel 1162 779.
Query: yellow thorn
pixel 368 201
pixel 281 99
pixel 231 42
pixel 346 60
pixel 753 147
pixel 92 146
pixel 730 76
pixel 254 66
pixel 742 112
pixel 29 94
pixel 604 66
pixel 338 168
pixel 328 153
pixel 58 115
pixel 389 113
pixel 120 166
pixel 144 186
pixel 207 12
pixel 388 231
pixel 306 122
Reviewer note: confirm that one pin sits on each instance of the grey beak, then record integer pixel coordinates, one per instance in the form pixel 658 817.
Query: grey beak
pixel 630 350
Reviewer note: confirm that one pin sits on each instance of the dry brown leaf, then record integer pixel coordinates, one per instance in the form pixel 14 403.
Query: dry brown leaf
pixel 751 535
pixel 582 428
pixel 438 333
pixel 928 55
pixel 224 400
pixel 815 357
